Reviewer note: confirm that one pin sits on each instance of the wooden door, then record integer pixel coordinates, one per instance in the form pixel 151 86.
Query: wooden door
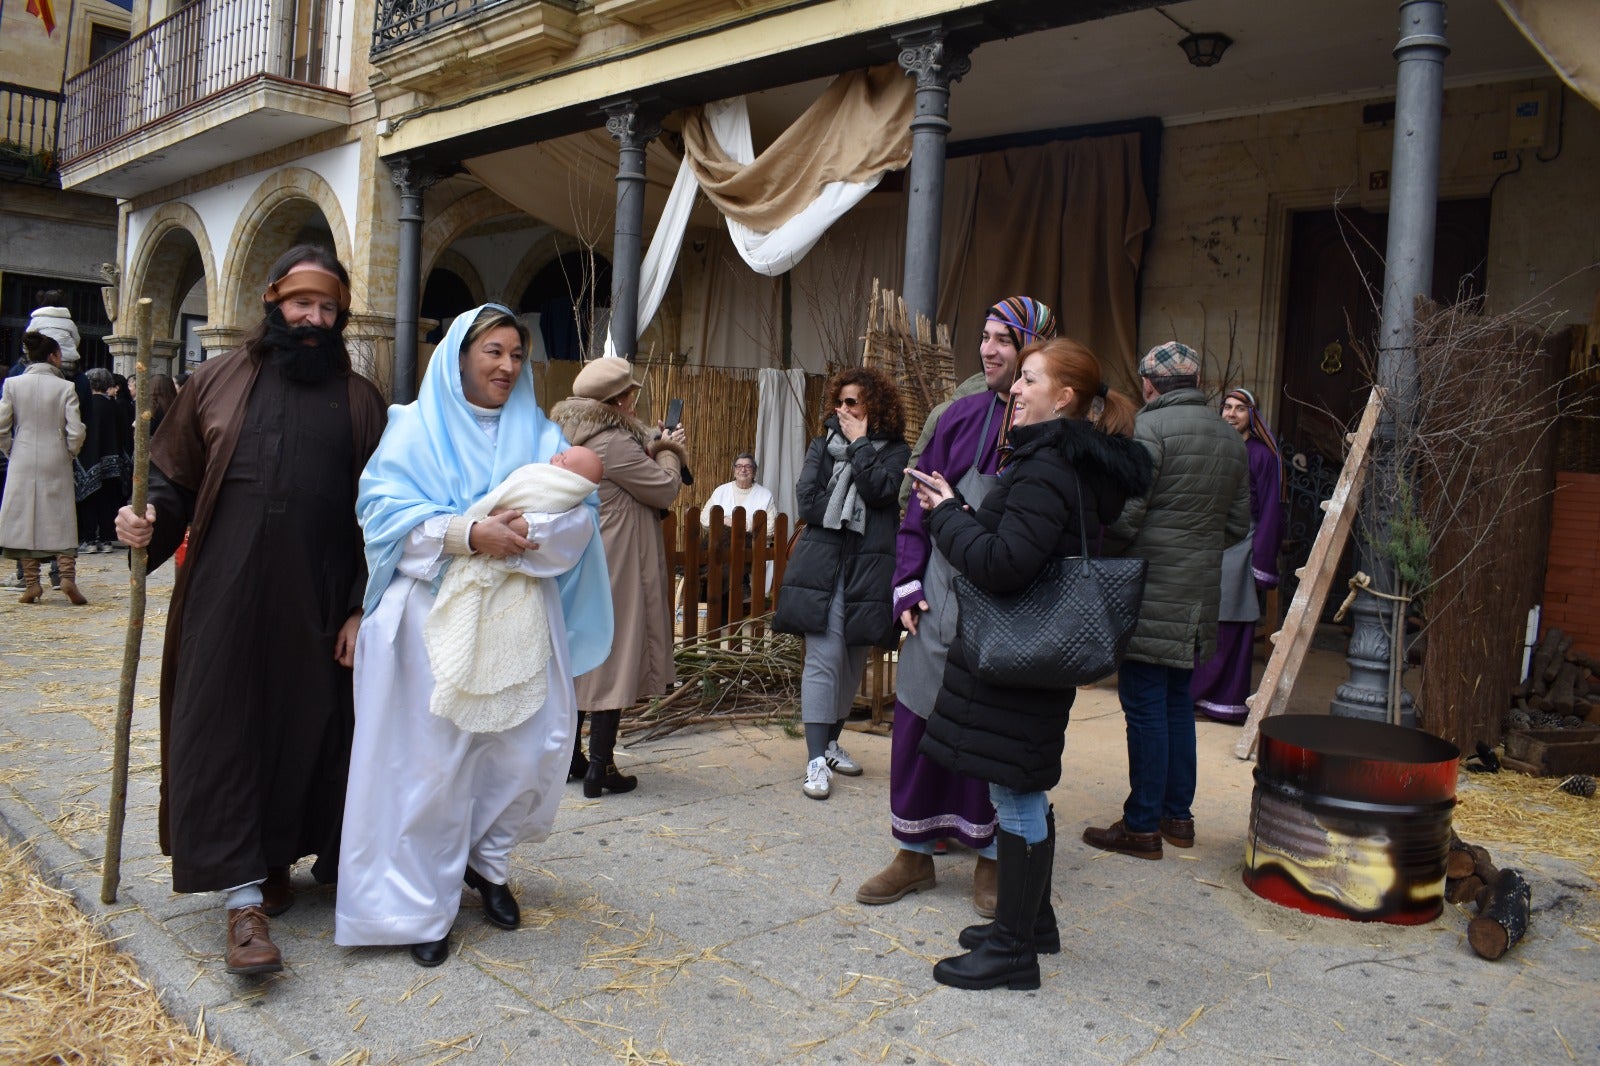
pixel 1335 296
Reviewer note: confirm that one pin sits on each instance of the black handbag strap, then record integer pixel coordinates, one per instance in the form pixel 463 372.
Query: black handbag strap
pixel 1083 527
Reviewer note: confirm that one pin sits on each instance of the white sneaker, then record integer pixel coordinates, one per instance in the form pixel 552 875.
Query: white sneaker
pixel 840 762
pixel 819 779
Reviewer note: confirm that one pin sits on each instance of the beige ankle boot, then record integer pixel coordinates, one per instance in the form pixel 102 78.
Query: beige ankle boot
pixel 985 887
pixel 31 589
pixel 68 565
pixel 909 871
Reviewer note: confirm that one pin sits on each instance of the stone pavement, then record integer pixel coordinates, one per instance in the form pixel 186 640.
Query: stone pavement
pixel 710 917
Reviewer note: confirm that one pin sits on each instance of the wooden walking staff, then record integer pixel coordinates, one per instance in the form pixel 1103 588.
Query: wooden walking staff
pixel 138 559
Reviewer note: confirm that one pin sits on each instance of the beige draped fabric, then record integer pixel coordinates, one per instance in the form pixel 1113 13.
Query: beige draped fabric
pixel 858 128
pixel 1063 222
pixel 1567 34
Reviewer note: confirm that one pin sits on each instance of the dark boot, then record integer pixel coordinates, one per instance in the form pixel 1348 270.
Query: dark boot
pixel 31 590
pixel 1046 934
pixel 69 579
pixel 602 774
pixel 580 765
pixel 1007 956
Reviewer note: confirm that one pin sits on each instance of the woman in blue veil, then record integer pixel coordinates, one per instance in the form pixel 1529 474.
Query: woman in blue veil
pixel 432 804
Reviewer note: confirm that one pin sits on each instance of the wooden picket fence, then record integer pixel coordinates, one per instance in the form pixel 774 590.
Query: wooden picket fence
pixel 726 577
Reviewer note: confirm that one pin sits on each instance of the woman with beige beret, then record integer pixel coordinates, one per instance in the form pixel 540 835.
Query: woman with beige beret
pixel 643 472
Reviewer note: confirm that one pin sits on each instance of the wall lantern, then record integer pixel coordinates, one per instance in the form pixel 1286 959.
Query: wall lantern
pixel 1205 49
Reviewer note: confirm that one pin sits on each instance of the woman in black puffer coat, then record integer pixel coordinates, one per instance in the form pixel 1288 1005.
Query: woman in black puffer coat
pixel 838 586
pixel 1059 466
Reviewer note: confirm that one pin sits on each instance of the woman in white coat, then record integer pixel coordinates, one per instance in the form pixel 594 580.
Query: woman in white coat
pixel 41 430
pixel 433 800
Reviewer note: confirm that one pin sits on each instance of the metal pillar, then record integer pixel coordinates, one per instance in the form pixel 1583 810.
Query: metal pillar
pixel 633 130
pixel 1408 273
pixel 411 176
pixel 936 61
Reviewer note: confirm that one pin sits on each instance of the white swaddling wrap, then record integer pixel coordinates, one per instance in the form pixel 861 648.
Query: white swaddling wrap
pixel 488 635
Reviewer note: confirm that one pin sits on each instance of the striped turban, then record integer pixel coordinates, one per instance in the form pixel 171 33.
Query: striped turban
pixel 1026 319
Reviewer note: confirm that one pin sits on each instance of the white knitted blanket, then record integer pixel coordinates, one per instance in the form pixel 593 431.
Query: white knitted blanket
pixel 488 634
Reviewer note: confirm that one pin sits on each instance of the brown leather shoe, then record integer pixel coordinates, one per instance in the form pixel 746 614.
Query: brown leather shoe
pixel 1117 837
pixel 1179 832
pixel 277 894
pixel 250 949
pixel 908 871
pixel 985 887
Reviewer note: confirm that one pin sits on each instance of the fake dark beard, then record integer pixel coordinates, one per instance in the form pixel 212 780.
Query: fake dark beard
pixel 307 354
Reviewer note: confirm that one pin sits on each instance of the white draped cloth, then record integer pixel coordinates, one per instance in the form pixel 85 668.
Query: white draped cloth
pixel 426 798
pixel 768 254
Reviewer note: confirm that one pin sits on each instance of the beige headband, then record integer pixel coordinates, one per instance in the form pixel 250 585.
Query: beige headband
pixel 308 281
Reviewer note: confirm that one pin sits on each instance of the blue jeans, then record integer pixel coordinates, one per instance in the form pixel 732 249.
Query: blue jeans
pixel 1161 744
pixel 1020 813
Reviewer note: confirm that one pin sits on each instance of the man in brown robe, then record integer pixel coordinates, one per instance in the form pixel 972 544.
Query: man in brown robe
pixel 259 459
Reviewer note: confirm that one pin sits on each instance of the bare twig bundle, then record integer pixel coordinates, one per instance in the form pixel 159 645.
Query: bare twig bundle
pixel 915 355
pixel 743 672
pixel 1472 474
pixel 69 996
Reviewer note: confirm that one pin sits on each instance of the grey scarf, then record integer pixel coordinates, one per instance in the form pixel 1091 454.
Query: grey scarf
pixel 845 509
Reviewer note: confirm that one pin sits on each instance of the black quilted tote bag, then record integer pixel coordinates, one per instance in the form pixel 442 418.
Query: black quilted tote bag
pixel 1071 626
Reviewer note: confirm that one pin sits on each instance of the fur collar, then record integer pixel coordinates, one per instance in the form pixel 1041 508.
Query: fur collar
pixel 583 419
pixel 1122 460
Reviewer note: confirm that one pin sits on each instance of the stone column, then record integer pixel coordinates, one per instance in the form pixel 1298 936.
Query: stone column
pixel 633 130
pixel 219 340
pixel 372 341
pixel 124 353
pixel 936 61
pixel 412 175
pixel 164 355
pixel 1408 273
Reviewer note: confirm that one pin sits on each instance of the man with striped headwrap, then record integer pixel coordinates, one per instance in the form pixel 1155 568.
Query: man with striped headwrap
pixel 927 803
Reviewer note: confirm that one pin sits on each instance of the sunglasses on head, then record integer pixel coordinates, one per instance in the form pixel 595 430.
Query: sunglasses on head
pixel 847 401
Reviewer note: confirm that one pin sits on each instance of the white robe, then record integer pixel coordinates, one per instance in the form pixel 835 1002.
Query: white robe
pixel 425 798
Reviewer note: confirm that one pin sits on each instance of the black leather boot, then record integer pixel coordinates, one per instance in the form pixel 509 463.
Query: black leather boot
pixel 580 765
pixel 1046 934
pixel 432 954
pixel 499 905
pixel 603 775
pixel 1007 956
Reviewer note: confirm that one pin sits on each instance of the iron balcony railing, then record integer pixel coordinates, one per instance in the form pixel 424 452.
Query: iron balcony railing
pixel 30 122
pixel 205 48
pixel 400 21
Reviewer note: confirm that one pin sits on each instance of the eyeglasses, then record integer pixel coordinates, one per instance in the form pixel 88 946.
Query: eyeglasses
pixel 847 401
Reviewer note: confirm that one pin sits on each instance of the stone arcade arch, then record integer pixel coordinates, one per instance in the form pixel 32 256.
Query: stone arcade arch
pixel 291 206
pixel 173 255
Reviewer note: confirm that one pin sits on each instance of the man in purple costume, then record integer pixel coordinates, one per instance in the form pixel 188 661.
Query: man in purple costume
pixel 928 803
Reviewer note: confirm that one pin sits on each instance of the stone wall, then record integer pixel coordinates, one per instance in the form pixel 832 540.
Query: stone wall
pixel 1218 251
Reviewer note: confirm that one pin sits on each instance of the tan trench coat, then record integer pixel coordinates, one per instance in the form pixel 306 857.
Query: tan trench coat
pixel 635 489
pixel 40 407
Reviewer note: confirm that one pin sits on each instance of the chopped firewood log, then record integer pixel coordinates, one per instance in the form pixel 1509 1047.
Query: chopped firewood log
pixel 1504 916
pixel 1459 863
pixel 1521 691
pixel 1543 656
pixel 1465 890
pixel 1559 659
pixel 1561 689
pixel 1483 864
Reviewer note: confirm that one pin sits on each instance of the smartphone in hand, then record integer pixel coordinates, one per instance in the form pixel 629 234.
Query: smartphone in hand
pixel 674 417
pixel 924 478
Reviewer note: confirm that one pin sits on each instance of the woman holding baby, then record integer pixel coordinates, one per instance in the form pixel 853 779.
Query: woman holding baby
pixel 487 593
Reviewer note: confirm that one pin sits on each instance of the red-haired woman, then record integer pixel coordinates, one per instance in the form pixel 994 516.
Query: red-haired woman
pixel 1060 473
pixel 838 587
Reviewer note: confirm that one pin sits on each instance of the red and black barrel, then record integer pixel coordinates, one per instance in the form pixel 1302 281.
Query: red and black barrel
pixel 1351 818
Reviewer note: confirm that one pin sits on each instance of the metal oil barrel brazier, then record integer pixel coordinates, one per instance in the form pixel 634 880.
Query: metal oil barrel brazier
pixel 1351 818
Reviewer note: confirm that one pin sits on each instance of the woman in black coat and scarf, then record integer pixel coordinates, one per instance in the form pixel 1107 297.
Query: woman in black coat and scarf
pixel 1059 468
pixel 838 586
